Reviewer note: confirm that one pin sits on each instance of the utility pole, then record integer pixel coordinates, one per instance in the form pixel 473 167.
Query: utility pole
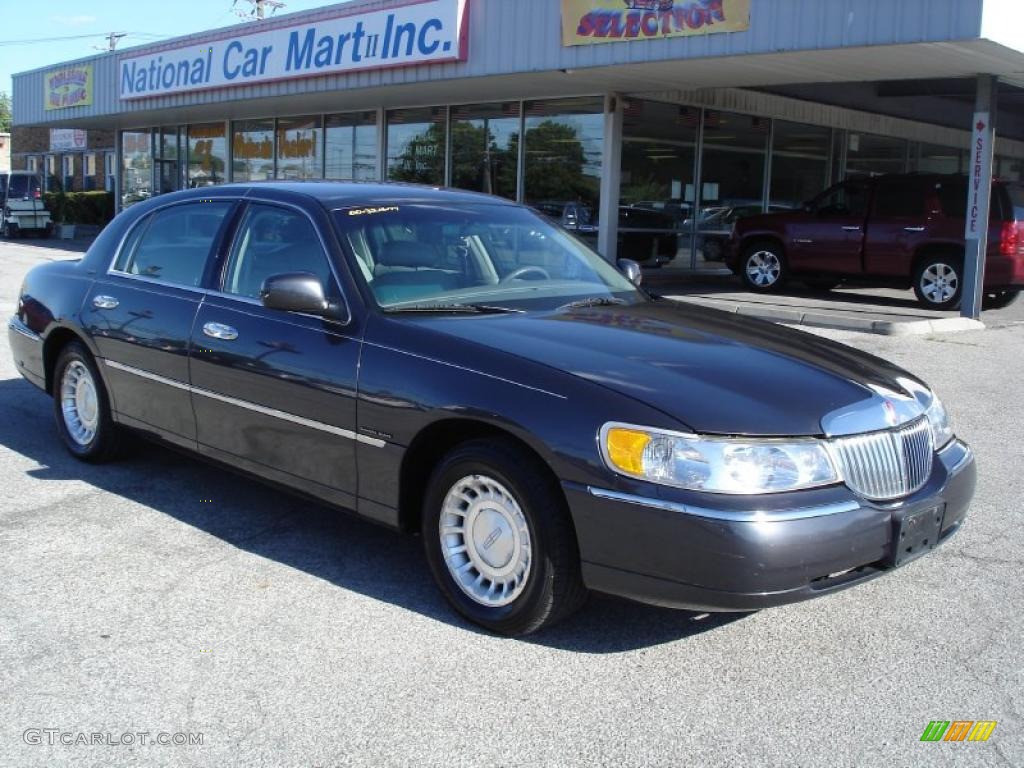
pixel 112 40
pixel 258 8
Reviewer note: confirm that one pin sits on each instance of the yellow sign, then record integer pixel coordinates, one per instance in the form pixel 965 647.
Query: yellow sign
pixel 70 86
pixel 585 22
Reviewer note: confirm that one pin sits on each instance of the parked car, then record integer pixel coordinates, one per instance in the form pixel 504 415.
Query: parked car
pixel 22 208
pixel 900 230
pixel 714 228
pixel 645 236
pixel 452 364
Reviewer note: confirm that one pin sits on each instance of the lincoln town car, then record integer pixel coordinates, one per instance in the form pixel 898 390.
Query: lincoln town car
pixel 457 367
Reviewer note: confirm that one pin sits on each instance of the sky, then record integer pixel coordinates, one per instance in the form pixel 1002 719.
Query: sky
pixel 143 20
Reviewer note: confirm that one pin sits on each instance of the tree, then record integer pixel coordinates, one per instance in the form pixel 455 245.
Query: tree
pixel 5 112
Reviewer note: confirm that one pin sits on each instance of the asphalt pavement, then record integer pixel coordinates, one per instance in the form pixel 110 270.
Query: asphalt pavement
pixel 160 598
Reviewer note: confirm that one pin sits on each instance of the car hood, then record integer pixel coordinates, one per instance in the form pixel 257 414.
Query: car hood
pixel 715 372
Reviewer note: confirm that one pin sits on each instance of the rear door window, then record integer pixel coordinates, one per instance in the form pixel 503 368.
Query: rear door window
pixel 899 198
pixel 174 244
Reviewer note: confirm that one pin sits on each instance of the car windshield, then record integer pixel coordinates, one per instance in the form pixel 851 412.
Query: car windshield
pixel 22 186
pixel 454 254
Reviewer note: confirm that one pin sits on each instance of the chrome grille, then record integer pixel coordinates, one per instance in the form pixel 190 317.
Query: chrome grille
pixel 886 465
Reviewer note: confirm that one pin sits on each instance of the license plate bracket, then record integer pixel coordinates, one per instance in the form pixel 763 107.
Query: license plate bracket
pixel 916 533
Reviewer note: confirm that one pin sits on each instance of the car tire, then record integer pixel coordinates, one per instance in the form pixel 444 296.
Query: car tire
pixel 82 408
pixel 823 284
pixel 763 268
pixel 499 539
pixel 939 281
pixel 1000 299
pixel 9 231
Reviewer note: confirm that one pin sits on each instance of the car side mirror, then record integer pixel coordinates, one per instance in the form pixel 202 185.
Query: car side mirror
pixel 631 270
pixel 295 292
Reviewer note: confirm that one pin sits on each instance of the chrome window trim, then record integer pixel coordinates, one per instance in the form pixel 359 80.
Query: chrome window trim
pixel 244 198
pixel 15 324
pixel 753 516
pixel 262 409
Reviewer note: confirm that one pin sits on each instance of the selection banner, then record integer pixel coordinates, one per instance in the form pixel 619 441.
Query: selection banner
pixel 420 32
pixel 586 22
pixel 69 86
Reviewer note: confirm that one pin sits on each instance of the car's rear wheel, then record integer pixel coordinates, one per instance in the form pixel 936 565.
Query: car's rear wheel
pixel 1000 299
pixel 9 230
pixel 938 281
pixel 81 406
pixel 499 540
pixel 764 267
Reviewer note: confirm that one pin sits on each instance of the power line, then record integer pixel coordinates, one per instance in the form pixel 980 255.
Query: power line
pixel 33 41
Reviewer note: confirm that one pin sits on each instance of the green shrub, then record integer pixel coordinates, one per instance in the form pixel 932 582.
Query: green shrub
pixel 80 207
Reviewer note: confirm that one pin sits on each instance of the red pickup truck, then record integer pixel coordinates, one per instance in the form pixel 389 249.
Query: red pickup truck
pixel 901 230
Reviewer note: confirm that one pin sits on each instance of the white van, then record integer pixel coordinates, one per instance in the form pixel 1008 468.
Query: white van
pixel 23 209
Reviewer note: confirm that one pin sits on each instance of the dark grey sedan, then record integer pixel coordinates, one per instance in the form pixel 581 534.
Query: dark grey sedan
pixel 456 366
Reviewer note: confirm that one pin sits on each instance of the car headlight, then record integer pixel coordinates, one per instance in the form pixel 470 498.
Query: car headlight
pixel 940 423
pixel 717 465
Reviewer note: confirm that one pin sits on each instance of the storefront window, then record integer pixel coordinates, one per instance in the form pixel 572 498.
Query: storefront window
pixel 207 145
pixel 870 155
pixel 298 148
pixel 416 145
pixel 67 165
pixel 351 146
pixel 732 179
pixel 136 167
pixel 485 148
pixel 252 150
pixel 564 145
pixel 109 169
pixel 659 148
pixel 165 142
pixel 52 181
pixel 1009 168
pixel 800 155
pixel 932 158
pixel 91 181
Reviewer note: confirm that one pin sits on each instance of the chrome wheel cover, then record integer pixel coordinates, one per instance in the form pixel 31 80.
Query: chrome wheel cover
pixel 763 269
pixel 79 403
pixel 939 283
pixel 485 541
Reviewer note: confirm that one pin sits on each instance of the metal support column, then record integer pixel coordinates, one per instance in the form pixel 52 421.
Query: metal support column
pixel 382 144
pixel 118 170
pixel 979 195
pixel 611 176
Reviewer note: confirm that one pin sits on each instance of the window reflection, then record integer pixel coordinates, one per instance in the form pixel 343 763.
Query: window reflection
pixel 485 148
pixel 351 146
pixel 298 148
pixel 207 145
pixel 136 167
pixel 870 155
pixel 416 145
pixel 800 155
pixel 252 150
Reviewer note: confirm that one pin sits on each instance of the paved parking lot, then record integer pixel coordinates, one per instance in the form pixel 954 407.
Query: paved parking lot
pixel 162 595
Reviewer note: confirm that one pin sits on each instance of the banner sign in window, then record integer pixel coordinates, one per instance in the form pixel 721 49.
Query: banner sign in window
pixel 585 22
pixel 66 139
pixel 424 32
pixel 69 86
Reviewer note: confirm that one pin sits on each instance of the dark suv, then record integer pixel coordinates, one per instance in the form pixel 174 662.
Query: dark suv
pixel 900 230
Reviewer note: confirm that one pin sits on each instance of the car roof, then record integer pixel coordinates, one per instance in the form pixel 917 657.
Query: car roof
pixel 345 194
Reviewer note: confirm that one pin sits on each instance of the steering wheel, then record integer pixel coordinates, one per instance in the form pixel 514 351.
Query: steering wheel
pixel 516 274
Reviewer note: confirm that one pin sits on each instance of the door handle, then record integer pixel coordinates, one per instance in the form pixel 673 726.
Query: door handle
pixel 220 331
pixel 913 229
pixel 851 229
pixel 105 302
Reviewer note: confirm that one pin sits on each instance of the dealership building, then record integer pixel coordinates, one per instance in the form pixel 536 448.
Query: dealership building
pixel 695 108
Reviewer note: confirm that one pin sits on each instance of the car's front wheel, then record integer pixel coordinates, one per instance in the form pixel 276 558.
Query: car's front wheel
pixel 9 230
pixel 764 267
pixel 939 282
pixel 81 406
pixel 499 540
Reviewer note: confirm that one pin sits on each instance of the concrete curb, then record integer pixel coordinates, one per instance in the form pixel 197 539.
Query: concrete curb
pixel 841 322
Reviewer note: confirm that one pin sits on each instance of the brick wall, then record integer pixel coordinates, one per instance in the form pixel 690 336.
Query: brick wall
pixel 34 141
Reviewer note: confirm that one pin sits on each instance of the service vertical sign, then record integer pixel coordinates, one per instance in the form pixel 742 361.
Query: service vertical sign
pixel 420 32
pixel 981 167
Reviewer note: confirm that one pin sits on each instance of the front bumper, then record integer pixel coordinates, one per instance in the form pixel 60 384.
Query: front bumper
pixel 663 552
